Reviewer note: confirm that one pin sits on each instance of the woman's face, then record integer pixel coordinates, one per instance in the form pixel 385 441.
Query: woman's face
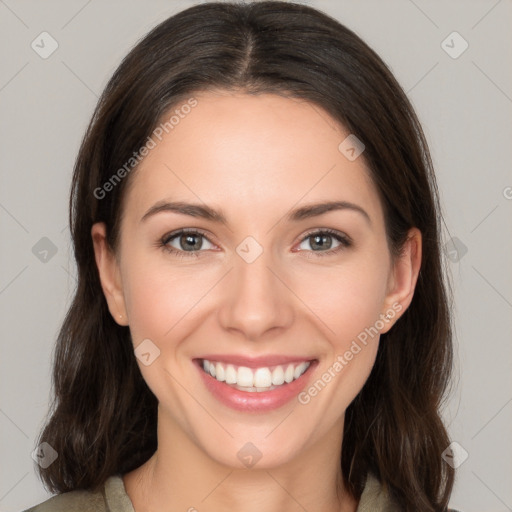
pixel 269 285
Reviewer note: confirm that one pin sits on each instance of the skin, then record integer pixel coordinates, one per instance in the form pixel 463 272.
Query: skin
pixel 254 158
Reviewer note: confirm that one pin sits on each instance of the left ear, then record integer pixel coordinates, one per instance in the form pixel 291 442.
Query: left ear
pixel 404 276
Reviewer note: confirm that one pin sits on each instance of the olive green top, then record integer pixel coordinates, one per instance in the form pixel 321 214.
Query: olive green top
pixel 112 497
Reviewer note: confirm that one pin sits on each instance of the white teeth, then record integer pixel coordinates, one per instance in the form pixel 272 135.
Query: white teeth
pixel 220 374
pixel 278 376
pixel 244 377
pixel 262 378
pixel 255 380
pixel 253 389
pixel 230 374
pixel 288 374
pixel 299 370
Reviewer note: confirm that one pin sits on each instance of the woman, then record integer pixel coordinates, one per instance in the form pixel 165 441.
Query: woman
pixel 261 320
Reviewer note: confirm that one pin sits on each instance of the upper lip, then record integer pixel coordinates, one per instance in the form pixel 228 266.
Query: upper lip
pixel 256 362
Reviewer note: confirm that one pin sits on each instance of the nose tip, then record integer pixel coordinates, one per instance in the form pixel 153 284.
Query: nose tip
pixel 256 301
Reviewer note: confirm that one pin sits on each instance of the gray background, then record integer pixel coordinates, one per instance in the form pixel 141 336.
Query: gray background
pixel 465 106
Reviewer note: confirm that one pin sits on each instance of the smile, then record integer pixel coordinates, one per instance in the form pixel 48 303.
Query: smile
pixel 254 385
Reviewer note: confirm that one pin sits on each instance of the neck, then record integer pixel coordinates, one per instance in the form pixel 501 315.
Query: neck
pixel 180 476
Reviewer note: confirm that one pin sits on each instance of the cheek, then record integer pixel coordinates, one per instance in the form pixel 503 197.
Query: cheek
pixel 160 299
pixel 349 303
pixel 162 306
pixel 347 298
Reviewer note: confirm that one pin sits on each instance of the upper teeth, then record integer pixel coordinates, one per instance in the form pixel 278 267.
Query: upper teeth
pixel 263 377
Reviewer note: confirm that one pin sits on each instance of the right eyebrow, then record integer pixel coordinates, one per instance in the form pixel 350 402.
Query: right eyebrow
pixel 191 209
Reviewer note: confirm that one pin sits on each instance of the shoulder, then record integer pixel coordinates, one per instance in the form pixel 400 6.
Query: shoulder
pixel 110 497
pixel 78 500
pixel 375 497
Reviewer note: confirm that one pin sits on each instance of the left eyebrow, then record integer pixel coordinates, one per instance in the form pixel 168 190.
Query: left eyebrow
pixel 315 209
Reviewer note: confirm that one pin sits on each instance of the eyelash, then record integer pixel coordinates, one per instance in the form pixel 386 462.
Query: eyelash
pixel 345 242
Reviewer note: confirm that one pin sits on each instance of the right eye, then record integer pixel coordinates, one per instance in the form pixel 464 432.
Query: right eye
pixel 185 241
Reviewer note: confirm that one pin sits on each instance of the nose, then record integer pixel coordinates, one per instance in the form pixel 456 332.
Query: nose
pixel 256 299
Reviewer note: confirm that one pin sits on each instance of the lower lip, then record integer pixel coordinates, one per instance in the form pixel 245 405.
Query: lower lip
pixel 255 401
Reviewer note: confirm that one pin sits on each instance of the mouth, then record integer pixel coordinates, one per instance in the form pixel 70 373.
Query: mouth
pixel 254 386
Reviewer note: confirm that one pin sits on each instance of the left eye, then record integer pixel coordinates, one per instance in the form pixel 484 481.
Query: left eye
pixel 322 241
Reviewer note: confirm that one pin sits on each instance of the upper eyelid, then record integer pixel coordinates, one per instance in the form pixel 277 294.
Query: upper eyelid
pixel 186 231
pixel 329 231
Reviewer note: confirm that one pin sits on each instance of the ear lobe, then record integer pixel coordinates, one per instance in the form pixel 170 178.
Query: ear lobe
pixel 109 273
pixel 405 273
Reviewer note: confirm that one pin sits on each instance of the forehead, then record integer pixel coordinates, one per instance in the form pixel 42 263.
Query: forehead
pixel 249 151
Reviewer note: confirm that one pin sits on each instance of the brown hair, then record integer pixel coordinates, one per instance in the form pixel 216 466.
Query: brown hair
pixel 103 416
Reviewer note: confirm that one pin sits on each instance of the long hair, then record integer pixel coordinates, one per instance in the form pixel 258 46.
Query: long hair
pixel 103 416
